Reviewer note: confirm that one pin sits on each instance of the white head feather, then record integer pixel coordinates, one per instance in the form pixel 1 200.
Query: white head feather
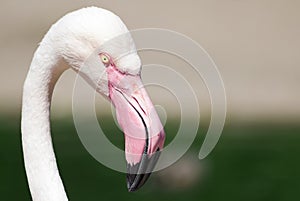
pixel 81 35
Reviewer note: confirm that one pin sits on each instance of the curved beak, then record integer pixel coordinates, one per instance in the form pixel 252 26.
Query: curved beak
pixel 143 131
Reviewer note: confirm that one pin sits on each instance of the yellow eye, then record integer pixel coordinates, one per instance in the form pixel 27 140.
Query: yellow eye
pixel 105 59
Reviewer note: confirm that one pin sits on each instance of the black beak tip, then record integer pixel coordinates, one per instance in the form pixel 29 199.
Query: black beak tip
pixel 139 173
pixel 136 181
pixel 130 183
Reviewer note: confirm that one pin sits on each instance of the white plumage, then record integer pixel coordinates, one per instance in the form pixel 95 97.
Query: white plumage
pixel 71 42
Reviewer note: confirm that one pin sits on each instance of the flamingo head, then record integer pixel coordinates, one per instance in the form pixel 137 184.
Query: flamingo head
pixel 99 41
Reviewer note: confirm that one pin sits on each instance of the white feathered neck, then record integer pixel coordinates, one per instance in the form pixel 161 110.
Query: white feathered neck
pixel 69 42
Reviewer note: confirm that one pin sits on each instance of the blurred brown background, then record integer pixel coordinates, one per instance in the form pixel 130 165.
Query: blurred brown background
pixel 255 45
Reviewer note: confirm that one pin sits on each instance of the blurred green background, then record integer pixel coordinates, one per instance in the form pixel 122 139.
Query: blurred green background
pixel 251 162
pixel 255 45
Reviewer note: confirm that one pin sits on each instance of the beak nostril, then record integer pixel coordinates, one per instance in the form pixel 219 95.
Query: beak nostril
pixel 134 98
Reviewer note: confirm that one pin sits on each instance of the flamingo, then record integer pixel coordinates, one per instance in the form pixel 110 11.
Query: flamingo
pixel 115 75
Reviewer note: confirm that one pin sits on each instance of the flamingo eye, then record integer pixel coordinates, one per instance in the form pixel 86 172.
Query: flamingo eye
pixel 105 59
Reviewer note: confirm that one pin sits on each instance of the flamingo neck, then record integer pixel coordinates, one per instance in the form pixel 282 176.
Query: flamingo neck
pixel 39 158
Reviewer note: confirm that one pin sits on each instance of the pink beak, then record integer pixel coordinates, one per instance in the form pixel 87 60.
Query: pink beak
pixel 143 131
